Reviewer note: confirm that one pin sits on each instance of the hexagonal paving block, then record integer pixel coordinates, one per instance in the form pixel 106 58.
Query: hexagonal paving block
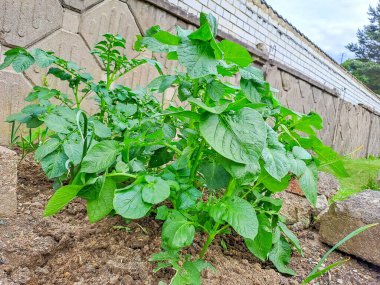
pixel 81 5
pixel 110 16
pixel 156 16
pixel 13 89
pixel 24 22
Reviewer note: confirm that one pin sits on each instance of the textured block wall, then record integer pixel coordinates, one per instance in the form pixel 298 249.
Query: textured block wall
pixel 72 27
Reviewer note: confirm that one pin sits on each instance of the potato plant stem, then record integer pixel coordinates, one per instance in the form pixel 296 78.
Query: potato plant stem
pixel 209 240
pixel 197 159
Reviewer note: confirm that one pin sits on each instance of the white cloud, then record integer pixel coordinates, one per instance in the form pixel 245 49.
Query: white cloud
pixel 329 24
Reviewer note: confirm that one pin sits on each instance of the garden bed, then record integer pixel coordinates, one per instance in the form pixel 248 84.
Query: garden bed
pixel 67 249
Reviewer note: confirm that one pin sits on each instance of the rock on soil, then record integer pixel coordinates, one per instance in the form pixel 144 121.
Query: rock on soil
pixel 346 216
pixel 328 185
pixel 8 182
pixel 297 210
pixel 67 249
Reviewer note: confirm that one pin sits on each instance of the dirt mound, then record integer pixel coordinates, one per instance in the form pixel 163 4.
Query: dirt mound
pixel 66 249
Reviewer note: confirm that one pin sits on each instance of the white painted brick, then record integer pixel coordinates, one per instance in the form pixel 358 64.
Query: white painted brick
pixel 193 4
pixel 219 10
pixel 207 10
pixel 228 7
pixel 212 5
pixel 226 15
pixel 233 19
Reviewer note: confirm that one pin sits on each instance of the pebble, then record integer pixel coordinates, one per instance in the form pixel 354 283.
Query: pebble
pixel 42 270
pixel 339 281
pixel 114 279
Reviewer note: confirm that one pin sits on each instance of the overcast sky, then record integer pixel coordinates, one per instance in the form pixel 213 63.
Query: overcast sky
pixel 328 23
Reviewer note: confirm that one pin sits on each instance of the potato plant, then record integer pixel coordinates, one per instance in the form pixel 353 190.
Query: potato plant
pixel 211 168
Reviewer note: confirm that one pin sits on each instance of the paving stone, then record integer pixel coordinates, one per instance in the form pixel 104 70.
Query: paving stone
pixel 8 182
pixel 110 16
pixel 80 5
pixel 343 217
pixel 24 22
pixel 273 76
pixel 13 89
pixel 71 21
pixel 307 97
pixel 156 16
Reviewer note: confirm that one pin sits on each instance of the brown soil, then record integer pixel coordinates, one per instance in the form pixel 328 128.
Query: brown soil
pixel 66 249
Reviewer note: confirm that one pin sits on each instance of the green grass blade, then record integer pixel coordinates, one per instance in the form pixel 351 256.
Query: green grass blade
pixel 323 271
pixel 342 241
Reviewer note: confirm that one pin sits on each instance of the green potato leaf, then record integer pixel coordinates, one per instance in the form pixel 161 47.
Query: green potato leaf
pixel 22 62
pixel 291 236
pixel 280 255
pixel 215 175
pixel 74 151
pixel 250 91
pixel 188 198
pixel 101 156
pixel 239 137
pixel 46 148
pixel 177 231
pixel 54 164
pixel 218 109
pixel 276 163
pixel 198 58
pixel 43 59
pixel 61 198
pixel 262 244
pixel 100 207
pixel 57 124
pixel 156 191
pixel 241 216
pixel 300 153
pixel 215 90
pixel 129 204
pixel 309 184
pixel 235 53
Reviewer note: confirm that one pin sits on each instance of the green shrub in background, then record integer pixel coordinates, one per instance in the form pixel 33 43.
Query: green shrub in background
pixel 210 168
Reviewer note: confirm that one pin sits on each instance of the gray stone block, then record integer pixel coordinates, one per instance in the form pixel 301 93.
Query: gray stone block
pixel 346 216
pixel 25 22
pixel 71 21
pixel 8 182
pixel 110 16
pixel 80 5
pixel 295 209
pixel 13 89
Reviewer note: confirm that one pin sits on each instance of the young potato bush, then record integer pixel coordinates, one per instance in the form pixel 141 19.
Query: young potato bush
pixel 210 168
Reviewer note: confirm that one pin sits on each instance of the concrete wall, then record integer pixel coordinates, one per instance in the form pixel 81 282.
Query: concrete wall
pixel 308 80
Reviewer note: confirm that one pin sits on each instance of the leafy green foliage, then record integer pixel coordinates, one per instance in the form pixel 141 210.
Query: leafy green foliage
pixel 366 64
pixel 210 168
pixel 366 71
